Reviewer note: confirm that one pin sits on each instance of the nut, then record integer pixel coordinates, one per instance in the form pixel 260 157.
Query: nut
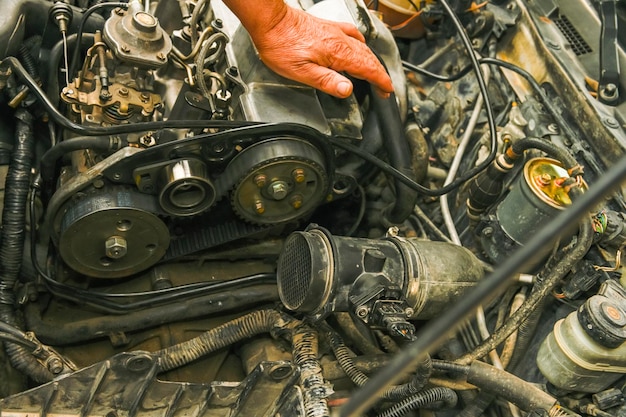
pixel 116 247
pixel 298 175
pixel 260 180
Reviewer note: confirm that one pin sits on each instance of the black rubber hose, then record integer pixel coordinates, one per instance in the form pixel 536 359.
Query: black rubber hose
pixel 12 240
pixel 399 153
pixel 541 290
pixel 509 387
pixel 415 385
pixel 423 399
pixel 549 148
pixel 241 328
pixel 97 143
pixel 84 330
pixel 430 336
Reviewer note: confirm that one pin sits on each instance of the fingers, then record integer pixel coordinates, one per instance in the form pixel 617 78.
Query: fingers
pixel 359 61
pixel 351 31
pixel 326 80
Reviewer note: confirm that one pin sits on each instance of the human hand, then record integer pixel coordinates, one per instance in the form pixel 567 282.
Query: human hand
pixel 311 50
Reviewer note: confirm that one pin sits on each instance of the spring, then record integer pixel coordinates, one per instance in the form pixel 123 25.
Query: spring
pixel 558 411
pixel 112 114
pixel 28 61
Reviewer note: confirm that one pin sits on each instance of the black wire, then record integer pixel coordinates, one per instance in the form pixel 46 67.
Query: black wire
pixel 8 337
pixel 81 28
pixel 155 297
pixel 444 78
pixel 431 335
pixel 64 122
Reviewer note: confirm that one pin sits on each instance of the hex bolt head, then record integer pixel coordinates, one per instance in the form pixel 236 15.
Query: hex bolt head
pixel 296 202
pixel 279 190
pixel 259 207
pixel 260 180
pixel 116 247
pixel 298 175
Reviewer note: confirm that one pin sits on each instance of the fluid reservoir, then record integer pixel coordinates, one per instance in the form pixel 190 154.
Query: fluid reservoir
pixel 586 351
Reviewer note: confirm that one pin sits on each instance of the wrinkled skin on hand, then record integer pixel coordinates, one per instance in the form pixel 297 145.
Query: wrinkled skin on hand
pixel 311 50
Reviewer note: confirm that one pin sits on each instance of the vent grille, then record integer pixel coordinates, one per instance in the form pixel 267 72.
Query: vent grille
pixel 294 271
pixel 579 46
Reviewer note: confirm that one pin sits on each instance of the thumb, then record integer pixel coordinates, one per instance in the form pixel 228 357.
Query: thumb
pixel 326 80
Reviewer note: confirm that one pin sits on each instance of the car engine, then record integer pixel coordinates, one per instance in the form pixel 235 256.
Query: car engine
pixel 186 233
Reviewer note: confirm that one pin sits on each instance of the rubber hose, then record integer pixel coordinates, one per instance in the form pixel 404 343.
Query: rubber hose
pixel 423 399
pixel 415 385
pixel 251 324
pixel 314 389
pixel 98 143
pixel 543 145
pixel 399 153
pixel 541 290
pixel 12 240
pixel 508 386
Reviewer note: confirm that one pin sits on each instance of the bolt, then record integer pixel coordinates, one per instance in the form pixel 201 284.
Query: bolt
pixel 553 128
pixel 409 312
pixel 362 311
pixel 392 231
pixel 145 97
pixel 233 71
pixel 69 92
pixel 161 56
pixel 116 247
pixel 611 122
pixel 54 365
pixel 98 183
pixel 296 202
pixel 260 180
pixel 610 90
pixel 279 190
pixel 488 231
pixel 298 175
pixel 119 11
pixel 123 92
pixel 125 48
pixel 259 207
pixel 218 23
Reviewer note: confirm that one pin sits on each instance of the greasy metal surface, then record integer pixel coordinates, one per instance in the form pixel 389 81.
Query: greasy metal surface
pixel 527 49
pixel 286 179
pixel 127 386
pixel 112 233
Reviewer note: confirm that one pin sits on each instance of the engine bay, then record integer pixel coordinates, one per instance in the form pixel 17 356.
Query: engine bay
pixel 185 232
